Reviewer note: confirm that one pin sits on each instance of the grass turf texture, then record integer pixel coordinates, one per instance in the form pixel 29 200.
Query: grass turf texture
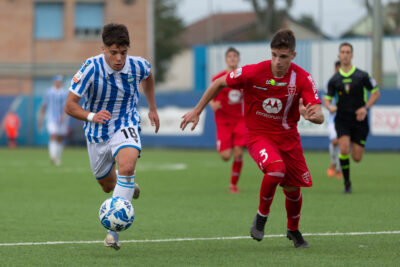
pixel 185 195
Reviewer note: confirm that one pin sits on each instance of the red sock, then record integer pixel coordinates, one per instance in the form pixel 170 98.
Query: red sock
pixel 267 192
pixel 236 168
pixel 293 206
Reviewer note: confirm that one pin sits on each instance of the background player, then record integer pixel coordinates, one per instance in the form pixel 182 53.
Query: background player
pixel 275 93
pixel 351 120
pixel 11 124
pixel 110 82
pixel 334 168
pixel 56 119
pixel 231 129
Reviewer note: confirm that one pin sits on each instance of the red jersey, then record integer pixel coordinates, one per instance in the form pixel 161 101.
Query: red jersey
pixel 271 104
pixel 231 101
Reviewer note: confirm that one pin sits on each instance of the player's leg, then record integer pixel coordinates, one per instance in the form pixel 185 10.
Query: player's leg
pixel 59 147
pixel 269 161
pixel 236 169
pixel 357 152
pixel 224 141
pixel 53 149
pixel 239 141
pixel 358 140
pixel 297 175
pixel 344 158
pixel 332 149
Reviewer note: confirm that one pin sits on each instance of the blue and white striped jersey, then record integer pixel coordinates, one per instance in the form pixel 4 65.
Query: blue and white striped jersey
pixel 55 99
pixel 107 89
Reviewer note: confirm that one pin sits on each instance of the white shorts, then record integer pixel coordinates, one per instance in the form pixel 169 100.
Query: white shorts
pixel 102 155
pixel 57 128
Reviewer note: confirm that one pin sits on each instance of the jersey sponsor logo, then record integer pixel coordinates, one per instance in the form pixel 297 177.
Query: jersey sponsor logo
pixel 234 96
pixel 272 105
pixel 306 177
pixel 261 88
pixel 274 83
pixel 236 73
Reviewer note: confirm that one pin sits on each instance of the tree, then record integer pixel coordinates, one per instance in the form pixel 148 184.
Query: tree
pixel 269 17
pixel 168 27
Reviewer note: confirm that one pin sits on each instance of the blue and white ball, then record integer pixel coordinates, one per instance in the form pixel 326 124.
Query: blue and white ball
pixel 116 214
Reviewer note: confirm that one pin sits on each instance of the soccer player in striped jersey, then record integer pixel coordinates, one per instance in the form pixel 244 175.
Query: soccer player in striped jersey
pixel 109 82
pixel 57 121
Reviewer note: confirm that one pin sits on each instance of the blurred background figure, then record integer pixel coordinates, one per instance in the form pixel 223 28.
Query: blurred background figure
pixel 56 119
pixel 11 124
pixel 334 167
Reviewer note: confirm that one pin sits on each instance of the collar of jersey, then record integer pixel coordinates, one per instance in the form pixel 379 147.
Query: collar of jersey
pixel 111 71
pixel 347 74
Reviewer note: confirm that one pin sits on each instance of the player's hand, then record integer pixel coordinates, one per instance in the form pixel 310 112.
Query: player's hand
pixel 191 116
pixel 306 111
pixel 154 120
pixel 102 117
pixel 361 113
pixel 332 109
pixel 215 105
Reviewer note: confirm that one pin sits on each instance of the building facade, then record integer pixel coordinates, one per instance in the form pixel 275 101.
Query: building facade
pixel 42 38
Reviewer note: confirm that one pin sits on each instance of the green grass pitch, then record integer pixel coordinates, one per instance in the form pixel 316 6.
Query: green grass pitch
pixel 185 195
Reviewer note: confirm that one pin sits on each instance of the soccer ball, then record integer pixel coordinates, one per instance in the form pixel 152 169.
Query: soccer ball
pixel 116 214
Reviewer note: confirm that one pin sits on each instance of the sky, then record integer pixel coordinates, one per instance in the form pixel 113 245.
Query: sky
pixel 335 16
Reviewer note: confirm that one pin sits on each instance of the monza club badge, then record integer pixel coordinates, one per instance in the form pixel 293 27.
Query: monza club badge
pixel 236 73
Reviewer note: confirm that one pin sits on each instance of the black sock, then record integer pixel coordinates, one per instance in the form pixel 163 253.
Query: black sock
pixel 345 165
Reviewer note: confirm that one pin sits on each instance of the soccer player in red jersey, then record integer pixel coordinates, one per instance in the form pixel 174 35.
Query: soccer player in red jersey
pixel 11 124
pixel 276 92
pixel 231 129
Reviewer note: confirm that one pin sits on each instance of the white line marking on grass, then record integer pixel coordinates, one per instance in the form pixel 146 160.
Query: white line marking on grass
pixel 194 239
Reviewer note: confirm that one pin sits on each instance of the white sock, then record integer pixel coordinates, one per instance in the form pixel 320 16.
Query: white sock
pixel 60 148
pixel 332 153
pixel 337 152
pixel 53 149
pixel 125 186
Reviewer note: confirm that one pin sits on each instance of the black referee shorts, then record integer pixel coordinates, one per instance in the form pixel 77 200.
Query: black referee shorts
pixel 357 130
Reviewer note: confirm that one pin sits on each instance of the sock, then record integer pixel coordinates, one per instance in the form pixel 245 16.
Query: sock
pixel 293 206
pixel 332 153
pixel 125 186
pixel 267 192
pixel 345 165
pixel 337 152
pixel 236 168
pixel 53 149
pixel 60 148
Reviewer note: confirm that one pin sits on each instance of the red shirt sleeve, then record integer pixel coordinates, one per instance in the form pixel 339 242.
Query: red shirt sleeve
pixel 309 91
pixel 238 78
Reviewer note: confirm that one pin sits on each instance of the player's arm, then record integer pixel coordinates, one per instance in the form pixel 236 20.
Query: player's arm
pixel 41 115
pixel 327 99
pixel 311 113
pixel 73 109
pixel 371 85
pixel 194 115
pixel 148 89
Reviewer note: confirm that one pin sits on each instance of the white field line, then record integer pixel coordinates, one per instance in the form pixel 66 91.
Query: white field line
pixel 194 239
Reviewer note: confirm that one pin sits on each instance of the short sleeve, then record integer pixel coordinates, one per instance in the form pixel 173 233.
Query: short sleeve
pixel 309 92
pixel 83 79
pixel 370 83
pixel 145 68
pixel 237 79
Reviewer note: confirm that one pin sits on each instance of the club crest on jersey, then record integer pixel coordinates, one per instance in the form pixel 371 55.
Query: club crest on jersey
pixel 347 87
pixel 306 177
pixel 236 73
pixel 291 89
pixel 77 77
pixel 234 96
pixel 131 79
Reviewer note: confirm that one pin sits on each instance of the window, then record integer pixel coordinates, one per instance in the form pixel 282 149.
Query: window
pixel 89 19
pixel 49 21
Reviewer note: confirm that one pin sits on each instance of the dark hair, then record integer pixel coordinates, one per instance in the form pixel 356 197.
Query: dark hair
pixel 284 39
pixel 346 44
pixel 337 63
pixel 232 49
pixel 115 34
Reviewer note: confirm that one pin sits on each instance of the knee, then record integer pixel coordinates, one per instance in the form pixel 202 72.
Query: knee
pixel 126 169
pixel 357 158
pixel 225 157
pixel 276 170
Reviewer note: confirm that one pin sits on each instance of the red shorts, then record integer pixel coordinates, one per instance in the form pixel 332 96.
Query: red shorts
pixel 231 135
pixel 267 149
pixel 12 133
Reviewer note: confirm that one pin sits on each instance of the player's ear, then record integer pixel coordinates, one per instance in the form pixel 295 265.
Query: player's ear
pixel 294 54
pixel 103 49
